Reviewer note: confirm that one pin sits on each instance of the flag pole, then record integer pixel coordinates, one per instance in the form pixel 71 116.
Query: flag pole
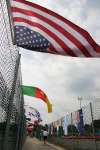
pixel 10 20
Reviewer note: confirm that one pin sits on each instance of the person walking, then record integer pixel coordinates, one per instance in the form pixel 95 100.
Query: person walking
pixel 45 135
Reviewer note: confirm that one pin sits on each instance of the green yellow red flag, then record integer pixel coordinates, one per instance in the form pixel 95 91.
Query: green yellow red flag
pixel 38 93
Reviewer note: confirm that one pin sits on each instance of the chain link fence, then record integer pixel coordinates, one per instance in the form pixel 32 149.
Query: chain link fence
pixel 12 119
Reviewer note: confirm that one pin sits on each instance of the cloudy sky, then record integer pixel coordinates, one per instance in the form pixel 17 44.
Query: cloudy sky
pixel 62 78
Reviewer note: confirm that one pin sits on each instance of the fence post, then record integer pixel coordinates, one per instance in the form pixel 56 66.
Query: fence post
pixel 22 125
pixel 93 130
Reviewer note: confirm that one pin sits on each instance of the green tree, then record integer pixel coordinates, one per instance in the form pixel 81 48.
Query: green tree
pixel 72 130
pixel 88 129
pixel 60 131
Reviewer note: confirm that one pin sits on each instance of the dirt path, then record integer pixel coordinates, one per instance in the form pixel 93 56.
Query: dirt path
pixel 35 144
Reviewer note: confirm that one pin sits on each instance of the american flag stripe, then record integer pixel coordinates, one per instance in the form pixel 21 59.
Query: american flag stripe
pixel 69 38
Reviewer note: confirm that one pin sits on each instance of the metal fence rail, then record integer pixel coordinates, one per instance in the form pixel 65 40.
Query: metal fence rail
pixel 12 119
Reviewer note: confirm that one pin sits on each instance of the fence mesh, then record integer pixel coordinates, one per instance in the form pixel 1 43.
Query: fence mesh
pixel 12 118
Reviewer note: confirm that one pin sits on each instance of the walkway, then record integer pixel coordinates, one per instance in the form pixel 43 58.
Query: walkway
pixel 35 144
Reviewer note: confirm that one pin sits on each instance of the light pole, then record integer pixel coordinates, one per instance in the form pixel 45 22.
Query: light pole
pixel 80 100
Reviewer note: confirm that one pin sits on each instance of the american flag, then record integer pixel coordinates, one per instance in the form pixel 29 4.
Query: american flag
pixel 40 29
